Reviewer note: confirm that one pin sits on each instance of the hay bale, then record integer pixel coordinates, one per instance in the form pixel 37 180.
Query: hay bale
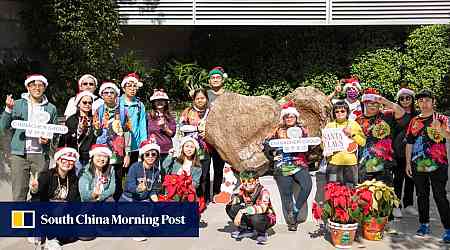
pixel 237 125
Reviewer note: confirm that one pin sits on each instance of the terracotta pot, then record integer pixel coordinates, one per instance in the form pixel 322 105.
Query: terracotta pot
pixel 342 235
pixel 372 230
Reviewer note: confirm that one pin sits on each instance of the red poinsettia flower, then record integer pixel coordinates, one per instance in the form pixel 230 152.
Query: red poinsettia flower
pixel 342 215
pixel 438 153
pixel 317 211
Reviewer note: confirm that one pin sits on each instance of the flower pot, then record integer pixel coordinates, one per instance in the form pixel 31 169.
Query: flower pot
pixel 342 235
pixel 374 229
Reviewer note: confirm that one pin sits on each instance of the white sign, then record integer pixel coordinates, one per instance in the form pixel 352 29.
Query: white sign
pixel 294 145
pixel 37 126
pixel 334 140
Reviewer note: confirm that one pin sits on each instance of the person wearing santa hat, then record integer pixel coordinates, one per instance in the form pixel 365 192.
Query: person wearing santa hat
pixel 113 123
pixel 58 184
pixel 97 180
pixel 161 124
pixel 88 83
pixel 143 179
pixel 405 98
pixel 290 168
pixel 29 155
pixel 376 158
pixel 351 88
pixel 136 113
pixel 216 82
pixel 81 134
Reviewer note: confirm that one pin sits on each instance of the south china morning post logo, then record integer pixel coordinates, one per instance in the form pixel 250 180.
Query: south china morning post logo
pixel 23 219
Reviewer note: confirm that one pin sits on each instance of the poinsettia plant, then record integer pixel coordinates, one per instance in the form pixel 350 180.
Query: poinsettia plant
pixel 383 199
pixel 343 204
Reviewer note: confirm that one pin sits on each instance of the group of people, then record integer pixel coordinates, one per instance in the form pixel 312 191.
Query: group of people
pixel 117 151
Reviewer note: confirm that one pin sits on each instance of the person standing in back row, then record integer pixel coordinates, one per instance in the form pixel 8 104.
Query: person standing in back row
pixel 216 83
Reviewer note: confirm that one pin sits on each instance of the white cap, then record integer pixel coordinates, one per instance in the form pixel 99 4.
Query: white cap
pixel 86 76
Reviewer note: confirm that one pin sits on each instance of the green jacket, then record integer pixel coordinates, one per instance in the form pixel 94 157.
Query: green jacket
pixel 20 112
pixel 86 185
pixel 171 166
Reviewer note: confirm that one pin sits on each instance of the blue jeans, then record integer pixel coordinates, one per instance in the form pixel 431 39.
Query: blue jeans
pixel 285 187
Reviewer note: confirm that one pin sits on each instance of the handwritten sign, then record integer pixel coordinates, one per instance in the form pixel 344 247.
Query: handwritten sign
pixel 295 145
pixel 37 127
pixel 334 140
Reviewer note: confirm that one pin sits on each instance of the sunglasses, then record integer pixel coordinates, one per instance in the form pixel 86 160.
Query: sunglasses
pixel 152 154
pixel 340 111
pixel 86 103
pixel 88 83
pixel 248 181
pixel 108 93
pixel 405 98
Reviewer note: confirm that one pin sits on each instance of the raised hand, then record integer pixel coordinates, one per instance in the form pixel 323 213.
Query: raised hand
pixel 9 102
pixel 34 183
pixel 436 123
pixel 96 193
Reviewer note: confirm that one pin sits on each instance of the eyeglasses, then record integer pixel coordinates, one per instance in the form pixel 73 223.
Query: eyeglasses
pixel 36 86
pixel 340 111
pixel 86 102
pixel 216 77
pixel 248 181
pixel 108 93
pixel 405 98
pixel 64 161
pixel 88 83
pixel 152 154
pixel 128 85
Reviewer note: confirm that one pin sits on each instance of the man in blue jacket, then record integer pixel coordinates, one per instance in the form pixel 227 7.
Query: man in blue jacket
pixel 28 154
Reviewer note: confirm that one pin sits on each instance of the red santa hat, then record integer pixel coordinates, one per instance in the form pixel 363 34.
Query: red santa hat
pixel 83 94
pixel 159 94
pixel 36 77
pixel 101 149
pixel 66 153
pixel 370 94
pixel 405 91
pixel 186 139
pixel 87 76
pixel 351 83
pixel 106 85
pixel 148 145
pixel 289 109
pixel 134 77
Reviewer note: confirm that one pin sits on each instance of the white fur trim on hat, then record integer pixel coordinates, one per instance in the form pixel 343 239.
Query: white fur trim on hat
pixel 66 153
pixel 148 145
pixel 404 91
pixel 100 149
pixel 187 139
pixel 83 94
pixel 36 77
pixel 159 95
pixel 129 78
pixel 289 111
pixel 352 84
pixel 369 97
pixel 106 85
pixel 84 77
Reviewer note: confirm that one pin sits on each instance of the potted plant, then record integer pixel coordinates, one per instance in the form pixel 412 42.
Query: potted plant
pixel 384 201
pixel 342 210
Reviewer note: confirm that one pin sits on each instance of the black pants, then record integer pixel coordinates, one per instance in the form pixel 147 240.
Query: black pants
pixel 204 189
pixel 438 180
pixel 258 222
pixel 384 176
pixel 400 177
pixel 119 173
pixel 134 157
pixel 218 164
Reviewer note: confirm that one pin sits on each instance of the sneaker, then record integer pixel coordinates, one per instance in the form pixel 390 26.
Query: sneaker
pixel 446 236
pixel 242 233
pixel 411 210
pixel 139 239
pixel 389 228
pixel 424 230
pixel 397 212
pixel 53 244
pixel 261 238
pixel 292 227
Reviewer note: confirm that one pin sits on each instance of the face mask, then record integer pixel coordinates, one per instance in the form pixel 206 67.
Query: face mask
pixel 352 93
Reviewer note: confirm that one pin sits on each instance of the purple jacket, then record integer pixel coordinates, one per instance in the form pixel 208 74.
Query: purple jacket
pixel 163 140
